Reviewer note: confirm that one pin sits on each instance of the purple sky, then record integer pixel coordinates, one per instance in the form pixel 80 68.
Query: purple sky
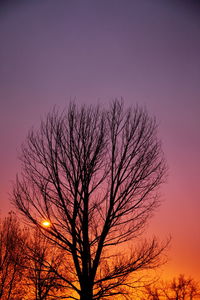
pixel 147 52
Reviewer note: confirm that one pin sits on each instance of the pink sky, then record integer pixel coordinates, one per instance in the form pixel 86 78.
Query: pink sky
pixel 145 51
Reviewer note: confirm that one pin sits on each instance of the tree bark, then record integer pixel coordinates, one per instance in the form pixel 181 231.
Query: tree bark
pixel 86 292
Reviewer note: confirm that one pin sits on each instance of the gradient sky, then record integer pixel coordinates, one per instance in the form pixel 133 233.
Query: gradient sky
pixel 146 51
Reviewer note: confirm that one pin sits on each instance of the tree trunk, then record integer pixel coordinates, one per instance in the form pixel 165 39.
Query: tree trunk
pixel 86 296
pixel 86 292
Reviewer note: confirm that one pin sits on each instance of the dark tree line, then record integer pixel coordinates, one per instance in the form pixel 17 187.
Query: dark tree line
pixel 94 173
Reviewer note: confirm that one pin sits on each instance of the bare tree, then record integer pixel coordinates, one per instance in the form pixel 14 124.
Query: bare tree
pixel 180 288
pixel 94 173
pixel 12 256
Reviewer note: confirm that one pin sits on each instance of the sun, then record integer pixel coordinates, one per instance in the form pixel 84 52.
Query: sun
pixel 46 223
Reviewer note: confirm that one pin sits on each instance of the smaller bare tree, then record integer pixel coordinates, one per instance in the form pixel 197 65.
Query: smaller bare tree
pixel 180 288
pixel 12 256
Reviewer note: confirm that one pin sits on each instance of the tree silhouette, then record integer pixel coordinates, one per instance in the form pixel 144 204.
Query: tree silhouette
pixel 12 250
pixel 93 174
pixel 180 288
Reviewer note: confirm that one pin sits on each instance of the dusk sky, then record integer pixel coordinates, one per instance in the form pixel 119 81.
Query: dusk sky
pixel 146 51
